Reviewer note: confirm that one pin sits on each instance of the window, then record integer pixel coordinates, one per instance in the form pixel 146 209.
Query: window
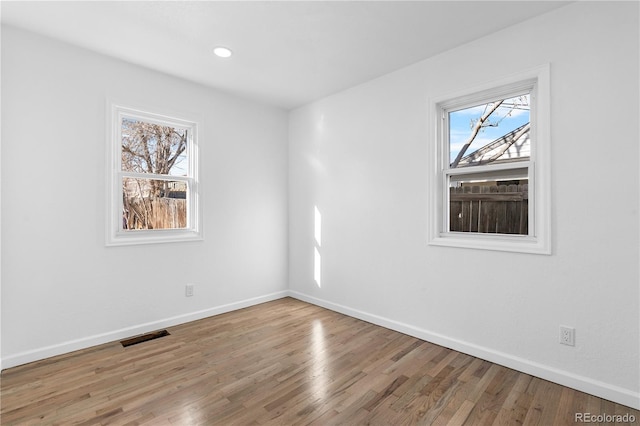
pixel 153 179
pixel 490 184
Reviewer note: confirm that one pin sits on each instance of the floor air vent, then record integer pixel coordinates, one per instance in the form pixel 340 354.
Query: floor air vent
pixel 144 338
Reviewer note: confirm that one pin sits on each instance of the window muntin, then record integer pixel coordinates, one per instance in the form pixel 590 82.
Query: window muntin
pixel 154 181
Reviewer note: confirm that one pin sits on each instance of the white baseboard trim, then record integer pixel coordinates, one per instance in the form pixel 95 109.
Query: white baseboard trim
pixel 584 384
pixel 86 342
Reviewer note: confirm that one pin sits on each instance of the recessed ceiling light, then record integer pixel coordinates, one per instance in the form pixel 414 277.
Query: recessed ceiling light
pixel 222 52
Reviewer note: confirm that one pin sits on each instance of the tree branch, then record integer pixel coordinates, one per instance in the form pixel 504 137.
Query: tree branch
pixel 474 132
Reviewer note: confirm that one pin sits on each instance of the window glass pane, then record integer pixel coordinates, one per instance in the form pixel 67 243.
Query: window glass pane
pixel 481 204
pixel 154 148
pixel 153 204
pixel 494 132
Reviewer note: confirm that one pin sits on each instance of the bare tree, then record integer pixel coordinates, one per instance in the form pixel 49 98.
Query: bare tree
pixel 152 149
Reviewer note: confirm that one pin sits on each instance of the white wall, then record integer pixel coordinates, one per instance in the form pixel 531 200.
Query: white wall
pixel 61 287
pixel 360 157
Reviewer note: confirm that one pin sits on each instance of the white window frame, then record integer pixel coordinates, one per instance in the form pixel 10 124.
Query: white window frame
pixel 538 241
pixel 116 235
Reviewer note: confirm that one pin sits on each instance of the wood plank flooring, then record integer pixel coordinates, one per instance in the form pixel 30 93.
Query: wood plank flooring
pixel 284 363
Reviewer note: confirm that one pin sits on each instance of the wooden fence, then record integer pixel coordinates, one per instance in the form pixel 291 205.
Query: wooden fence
pixel 502 209
pixel 155 213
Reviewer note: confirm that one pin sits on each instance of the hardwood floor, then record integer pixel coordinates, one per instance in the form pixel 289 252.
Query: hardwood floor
pixel 280 363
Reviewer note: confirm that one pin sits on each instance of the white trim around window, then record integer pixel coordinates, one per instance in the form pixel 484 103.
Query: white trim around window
pixel 188 181
pixel 536 169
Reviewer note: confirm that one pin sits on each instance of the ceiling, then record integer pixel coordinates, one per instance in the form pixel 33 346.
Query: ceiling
pixel 286 53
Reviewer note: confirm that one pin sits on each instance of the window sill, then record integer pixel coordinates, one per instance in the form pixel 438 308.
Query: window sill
pixel 153 237
pixel 508 243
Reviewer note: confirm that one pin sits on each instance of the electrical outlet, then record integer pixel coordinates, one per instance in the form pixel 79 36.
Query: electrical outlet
pixel 567 335
pixel 188 290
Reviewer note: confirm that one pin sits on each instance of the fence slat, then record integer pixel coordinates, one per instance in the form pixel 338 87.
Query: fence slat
pixel 156 213
pixel 490 209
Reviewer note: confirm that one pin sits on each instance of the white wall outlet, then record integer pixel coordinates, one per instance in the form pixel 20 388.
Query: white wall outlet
pixel 188 290
pixel 567 335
